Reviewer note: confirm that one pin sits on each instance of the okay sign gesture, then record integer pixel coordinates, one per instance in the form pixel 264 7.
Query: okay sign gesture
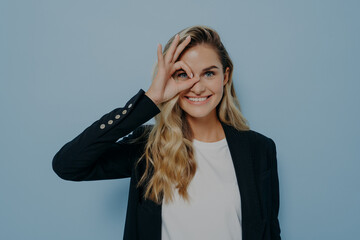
pixel 164 87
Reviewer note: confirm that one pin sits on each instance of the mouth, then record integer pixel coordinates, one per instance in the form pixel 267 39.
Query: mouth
pixel 198 100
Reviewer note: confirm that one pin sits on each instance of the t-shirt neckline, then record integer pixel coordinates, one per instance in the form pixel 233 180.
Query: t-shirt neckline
pixel 219 143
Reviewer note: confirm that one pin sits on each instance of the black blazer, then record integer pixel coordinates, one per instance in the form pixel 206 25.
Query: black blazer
pixel 97 154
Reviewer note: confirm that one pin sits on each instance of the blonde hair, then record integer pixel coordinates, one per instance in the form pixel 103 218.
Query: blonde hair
pixel 169 152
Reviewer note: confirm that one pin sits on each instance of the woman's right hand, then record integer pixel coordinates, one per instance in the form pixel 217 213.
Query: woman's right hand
pixel 164 86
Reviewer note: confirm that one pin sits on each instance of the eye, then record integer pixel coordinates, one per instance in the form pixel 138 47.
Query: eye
pixel 182 76
pixel 210 72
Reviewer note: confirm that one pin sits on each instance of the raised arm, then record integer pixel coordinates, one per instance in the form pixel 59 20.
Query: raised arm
pixel 95 153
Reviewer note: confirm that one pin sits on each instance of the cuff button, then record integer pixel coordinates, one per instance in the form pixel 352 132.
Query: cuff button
pixel 110 122
pixel 123 112
pixel 102 126
pixel 117 116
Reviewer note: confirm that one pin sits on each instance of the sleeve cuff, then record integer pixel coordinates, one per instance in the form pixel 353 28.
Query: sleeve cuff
pixel 150 102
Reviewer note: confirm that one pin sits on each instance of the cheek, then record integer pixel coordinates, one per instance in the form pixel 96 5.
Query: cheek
pixel 181 102
pixel 218 87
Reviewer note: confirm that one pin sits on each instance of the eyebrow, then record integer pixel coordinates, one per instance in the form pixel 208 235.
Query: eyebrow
pixel 208 68
pixel 205 69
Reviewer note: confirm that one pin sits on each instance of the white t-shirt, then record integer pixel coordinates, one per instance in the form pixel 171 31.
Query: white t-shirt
pixel 214 211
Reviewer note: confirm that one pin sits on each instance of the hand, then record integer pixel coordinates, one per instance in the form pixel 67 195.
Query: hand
pixel 164 87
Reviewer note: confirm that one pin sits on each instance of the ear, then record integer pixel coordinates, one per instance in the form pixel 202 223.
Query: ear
pixel 226 76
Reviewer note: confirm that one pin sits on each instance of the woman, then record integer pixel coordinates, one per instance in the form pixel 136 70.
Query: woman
pixel 199 172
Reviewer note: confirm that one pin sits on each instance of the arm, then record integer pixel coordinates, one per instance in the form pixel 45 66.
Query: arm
pixel 95 153
pixel 274 222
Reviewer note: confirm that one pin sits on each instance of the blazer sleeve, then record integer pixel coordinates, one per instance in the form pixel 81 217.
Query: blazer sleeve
pixel 274 224
pixel 96 153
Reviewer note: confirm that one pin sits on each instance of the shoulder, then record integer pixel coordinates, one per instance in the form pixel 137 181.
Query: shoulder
pixel 260 141
pixel 251 137
pixel 263 150
pixel 258 137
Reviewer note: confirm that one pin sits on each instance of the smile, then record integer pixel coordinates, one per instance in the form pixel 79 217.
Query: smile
pixel 198 100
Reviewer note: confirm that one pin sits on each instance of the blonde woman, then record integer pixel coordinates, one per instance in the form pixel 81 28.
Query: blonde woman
pixel 199 172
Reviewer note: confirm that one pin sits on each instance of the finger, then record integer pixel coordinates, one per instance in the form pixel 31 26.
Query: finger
pixel 170 52
pixel 187 84
pixel 182 65
pixel 181 47
pixel 159 54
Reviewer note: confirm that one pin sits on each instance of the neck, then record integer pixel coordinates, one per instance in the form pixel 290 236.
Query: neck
pixel 206 129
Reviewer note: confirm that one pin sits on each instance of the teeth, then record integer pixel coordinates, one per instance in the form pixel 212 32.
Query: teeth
pixel 197 99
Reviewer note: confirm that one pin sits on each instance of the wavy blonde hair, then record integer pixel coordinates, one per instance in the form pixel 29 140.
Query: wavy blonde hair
pixel 169 152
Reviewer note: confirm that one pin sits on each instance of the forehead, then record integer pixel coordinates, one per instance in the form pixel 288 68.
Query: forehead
pixel 200 56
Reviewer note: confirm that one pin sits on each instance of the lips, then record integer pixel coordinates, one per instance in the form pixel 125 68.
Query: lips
pixel 199 102
pixel 198 97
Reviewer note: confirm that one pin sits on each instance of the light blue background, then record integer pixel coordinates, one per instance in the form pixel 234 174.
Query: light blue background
pixel 63 64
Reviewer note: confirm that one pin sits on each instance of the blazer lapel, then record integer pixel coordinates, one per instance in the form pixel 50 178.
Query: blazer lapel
pixel 240 150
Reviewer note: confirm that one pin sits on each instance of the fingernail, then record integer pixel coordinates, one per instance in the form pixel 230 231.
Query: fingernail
pixel 192 75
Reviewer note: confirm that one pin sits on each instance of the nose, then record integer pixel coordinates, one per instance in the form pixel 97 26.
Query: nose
pixel 198 87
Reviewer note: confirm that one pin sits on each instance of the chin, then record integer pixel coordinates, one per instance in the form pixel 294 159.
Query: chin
pixel 193 114
pixel 197 113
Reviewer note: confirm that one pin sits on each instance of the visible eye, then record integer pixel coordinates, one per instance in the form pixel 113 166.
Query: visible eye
pixel 211 73
pixel 182 76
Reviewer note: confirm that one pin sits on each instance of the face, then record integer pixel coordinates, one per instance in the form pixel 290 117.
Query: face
pixel 201 99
